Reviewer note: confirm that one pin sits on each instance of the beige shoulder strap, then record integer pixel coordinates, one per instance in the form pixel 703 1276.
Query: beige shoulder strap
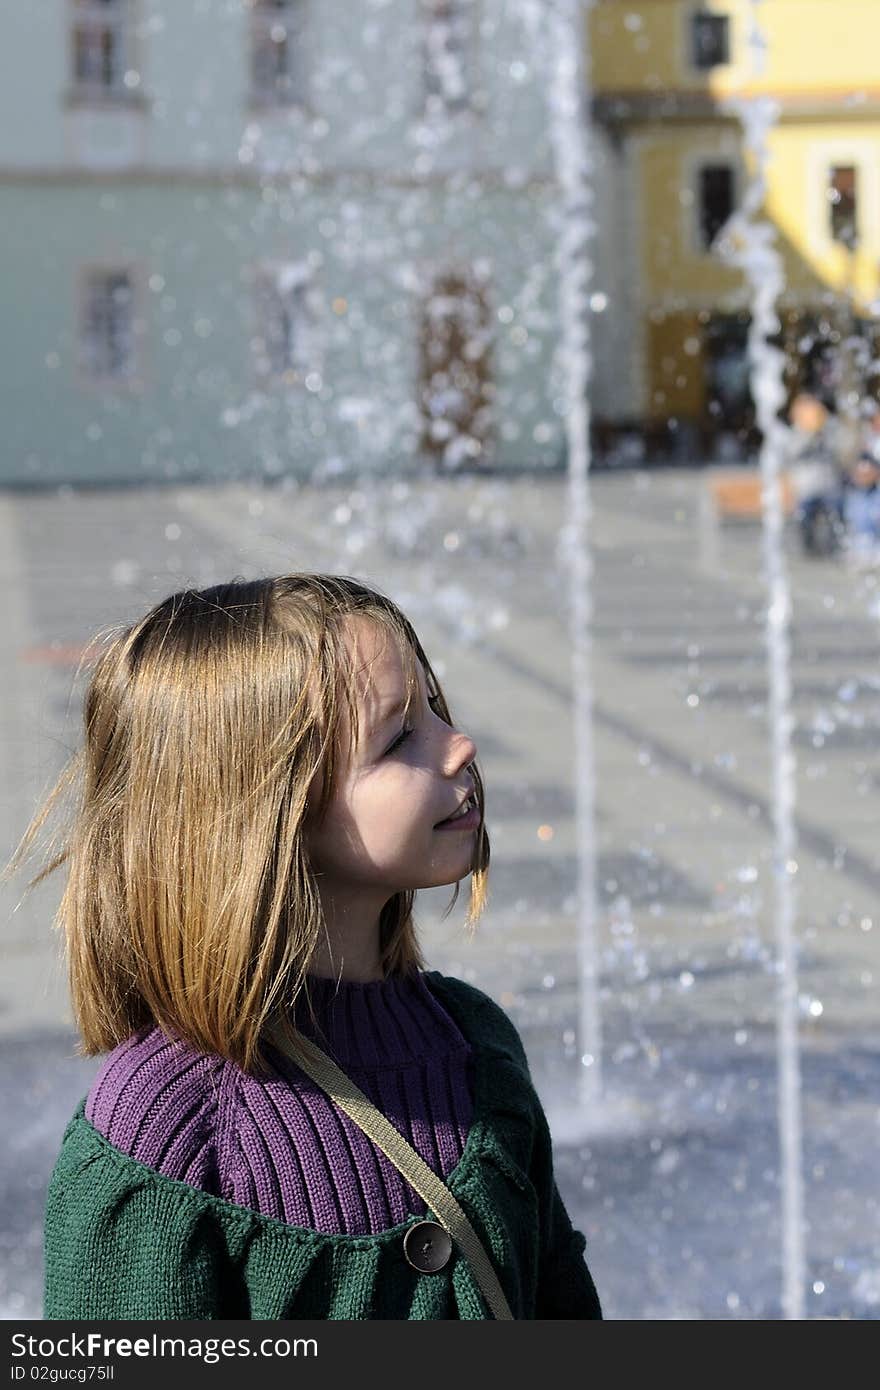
pixel 434 1192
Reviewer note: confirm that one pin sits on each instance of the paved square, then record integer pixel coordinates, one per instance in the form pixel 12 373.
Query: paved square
pixel 675 1181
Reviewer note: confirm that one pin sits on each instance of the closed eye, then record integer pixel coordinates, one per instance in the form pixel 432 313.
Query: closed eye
pixel 405 733
pixel 401 738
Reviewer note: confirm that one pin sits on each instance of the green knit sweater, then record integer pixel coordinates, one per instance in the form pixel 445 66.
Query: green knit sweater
pixel 123 1241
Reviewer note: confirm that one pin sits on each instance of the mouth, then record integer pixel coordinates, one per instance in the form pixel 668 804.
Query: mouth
pixel 465 818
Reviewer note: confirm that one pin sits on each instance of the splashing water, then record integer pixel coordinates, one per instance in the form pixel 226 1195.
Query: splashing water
pixel 752 246
pixel 565 39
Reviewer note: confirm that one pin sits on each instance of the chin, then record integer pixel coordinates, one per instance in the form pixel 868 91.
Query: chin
pixel 448 879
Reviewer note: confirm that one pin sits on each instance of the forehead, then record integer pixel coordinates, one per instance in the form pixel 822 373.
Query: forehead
pixel 377 655
pixel 382 668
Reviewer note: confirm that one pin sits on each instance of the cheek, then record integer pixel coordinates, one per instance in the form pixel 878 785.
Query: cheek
pixel 396 806
pixel 330 843
pixel 374 820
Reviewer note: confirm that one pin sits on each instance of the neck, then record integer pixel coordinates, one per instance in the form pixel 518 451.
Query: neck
pixel 349 949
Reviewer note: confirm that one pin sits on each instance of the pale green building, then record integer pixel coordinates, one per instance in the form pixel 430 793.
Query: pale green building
pixel 271 238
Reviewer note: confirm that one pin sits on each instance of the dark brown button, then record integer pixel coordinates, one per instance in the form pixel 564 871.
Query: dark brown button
pixel 427 1247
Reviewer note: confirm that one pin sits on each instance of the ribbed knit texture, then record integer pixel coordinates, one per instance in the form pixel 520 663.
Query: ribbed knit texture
pixel 123 1240
pixel 281 1147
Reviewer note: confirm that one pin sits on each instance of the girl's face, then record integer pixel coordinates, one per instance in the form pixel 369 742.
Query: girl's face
pixel 406 774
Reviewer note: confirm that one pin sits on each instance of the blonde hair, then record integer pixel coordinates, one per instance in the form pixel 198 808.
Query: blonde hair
pixel 213 741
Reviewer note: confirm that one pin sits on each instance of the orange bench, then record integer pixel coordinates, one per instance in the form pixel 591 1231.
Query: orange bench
pixel 736 495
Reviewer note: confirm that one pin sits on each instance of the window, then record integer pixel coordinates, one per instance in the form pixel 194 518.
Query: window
pixel 277 57
pixel 100 44
pixel 843 205
pixel 710 40
pixel 106 336
pixel 286 340
pixel 447 55
pixel 456 387
pixel 716 195
pixel 728 379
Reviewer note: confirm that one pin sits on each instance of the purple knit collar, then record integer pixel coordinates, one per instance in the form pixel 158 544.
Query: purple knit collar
pixel 388 1022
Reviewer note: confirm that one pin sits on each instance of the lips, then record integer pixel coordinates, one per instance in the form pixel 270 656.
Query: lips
pixel 461 811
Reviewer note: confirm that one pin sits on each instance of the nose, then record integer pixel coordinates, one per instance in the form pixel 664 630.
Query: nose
pixel 462 752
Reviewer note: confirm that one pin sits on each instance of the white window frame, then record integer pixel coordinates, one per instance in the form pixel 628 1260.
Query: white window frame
pixel 291 17
pixel 87 375
pixel 300 301
pixel 436 18
pixel 860 153
pixel 120 20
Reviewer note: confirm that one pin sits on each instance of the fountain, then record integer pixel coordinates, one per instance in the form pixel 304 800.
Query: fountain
pixel 455 552
pixel 568 100
pixel 751 245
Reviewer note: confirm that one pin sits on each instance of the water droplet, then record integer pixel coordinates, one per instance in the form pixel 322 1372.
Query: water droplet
pixel 668 1160
pixel 124 573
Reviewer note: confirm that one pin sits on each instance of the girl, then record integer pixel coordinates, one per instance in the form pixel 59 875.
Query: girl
pixel 270 772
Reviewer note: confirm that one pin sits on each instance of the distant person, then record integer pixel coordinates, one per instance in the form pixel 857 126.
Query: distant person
pixel 871 434
pixel 270 773
pixel 814 468
pixel 862 506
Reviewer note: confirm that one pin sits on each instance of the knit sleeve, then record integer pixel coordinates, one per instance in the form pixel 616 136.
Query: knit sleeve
pixel 565 1285
pixel 118 1245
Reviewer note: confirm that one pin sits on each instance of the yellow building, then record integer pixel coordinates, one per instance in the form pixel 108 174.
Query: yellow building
pixel 668 76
